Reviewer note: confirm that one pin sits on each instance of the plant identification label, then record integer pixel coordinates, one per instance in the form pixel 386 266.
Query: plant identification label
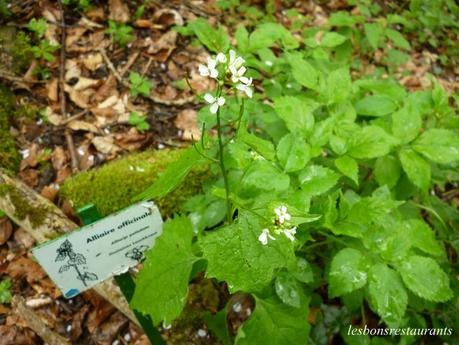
pixel 79 260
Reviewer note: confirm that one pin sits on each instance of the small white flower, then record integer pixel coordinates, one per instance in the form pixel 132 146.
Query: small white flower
pixel 290 233
pixel 289 86
pixel 210 70
pixel 221 58
pixel 264 236
pixel 214 102
pixel 268 63
pixel 237 75
pixel 234 60
pixel 282 214
pixel 246 89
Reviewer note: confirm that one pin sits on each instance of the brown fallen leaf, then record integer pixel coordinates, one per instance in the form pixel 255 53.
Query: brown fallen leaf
pixel 186 120
pixel 24 238
pixel 59 158
pixel 52 88
pixel 14 335
pixel 106 333
pixel 102 310
pixel 167 17
pixel 50 192
pixel 119 12
pixel 78 125
pixel 30 177
pixel 105 145
pixel 92 61
pixel 6 229
pixel 26 268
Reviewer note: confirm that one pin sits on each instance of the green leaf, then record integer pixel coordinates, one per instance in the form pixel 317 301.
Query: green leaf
pixel 348 167
pixel 267 33
pixel 398 39
pixel 274 323
pixel 332 39
pixel 348 272
pixel 262 175
pixel 5 293
pixel 439 145
pixel 416 168
pixel 164 277
pixel 173 176
pixel 303 271
pixel 373 32
pixel 216 40
pixel 338 85
pixel 242 38
pixel 369 142
pixel 296 113
pixel 292 152
pixel 406 124
pixel 387 171
pixel 302 71
pixel 235 255
pixel 38 26
pixel 388 297
pixel 260 145
pixel 375 106
pixel 287 289
pixel 316 179
pixel 425 278
pixel 423 237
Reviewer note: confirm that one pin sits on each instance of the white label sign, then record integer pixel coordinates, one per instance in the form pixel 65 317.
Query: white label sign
pixel 81 259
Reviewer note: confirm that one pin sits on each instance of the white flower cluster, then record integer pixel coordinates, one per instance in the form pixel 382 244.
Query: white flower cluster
pixel 281 226
pixel 232 65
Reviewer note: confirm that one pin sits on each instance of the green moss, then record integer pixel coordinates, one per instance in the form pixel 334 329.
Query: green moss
pixel 9 155
pixel 21 52
pixel 23 209
pixel 113 186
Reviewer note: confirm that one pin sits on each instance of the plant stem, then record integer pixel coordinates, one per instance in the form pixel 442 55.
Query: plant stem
pixel 80 275
pixel 222 163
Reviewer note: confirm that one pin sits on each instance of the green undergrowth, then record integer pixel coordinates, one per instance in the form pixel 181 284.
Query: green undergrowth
pixel 9 155
pixel 112 186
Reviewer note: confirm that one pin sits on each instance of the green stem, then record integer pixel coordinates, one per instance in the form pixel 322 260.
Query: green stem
pixel 222 167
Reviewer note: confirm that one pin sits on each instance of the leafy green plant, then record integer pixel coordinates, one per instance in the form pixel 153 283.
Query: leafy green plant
pixel 39 27
pixel 44 50
pixel 135 119
pixel 139 85
pixel 121 33
pixel 4 9
pixel 333 185
pixel 5 293
pixel 82 5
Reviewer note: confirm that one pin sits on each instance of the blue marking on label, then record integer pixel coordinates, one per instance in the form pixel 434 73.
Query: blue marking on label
pixel 71 293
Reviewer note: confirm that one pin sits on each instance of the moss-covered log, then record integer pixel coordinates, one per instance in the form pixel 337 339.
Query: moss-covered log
pixel 44 221
pixel 113 186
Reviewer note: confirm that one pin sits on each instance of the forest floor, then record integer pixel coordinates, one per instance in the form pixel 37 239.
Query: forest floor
pixel 103 94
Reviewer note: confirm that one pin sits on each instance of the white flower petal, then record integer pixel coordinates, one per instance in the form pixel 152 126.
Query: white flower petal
pixel 221 101
pixel 221 58
pixel 263 238
pixel 214 108
pixel 241 71
pixel 214 73
pixel 211 63
pixel 209 98
pixel 249 92
pixel 203 70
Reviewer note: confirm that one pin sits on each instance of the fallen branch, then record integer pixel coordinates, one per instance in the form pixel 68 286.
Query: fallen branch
pixel 35 322
pixel 44 221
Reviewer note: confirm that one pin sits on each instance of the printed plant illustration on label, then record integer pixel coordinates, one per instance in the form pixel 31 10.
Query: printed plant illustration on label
pixel 75 260
pixel 136 253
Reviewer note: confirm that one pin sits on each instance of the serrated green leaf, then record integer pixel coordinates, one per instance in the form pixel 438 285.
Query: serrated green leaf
pixel 235 255
pixel 406 124
pixel 338 85
pixel 264 147
pixel 287 289
pixel 373 32
pixel 164 277
pixel 398 39
pixel 348 272
pixel 375 106
pixel 348 167
pixel 292 152
pixel 303 271
pixel 216 40
pixel 303 71
pixel 388 297
pixel 332 39
pixel 296 113
pixel 425 278
pixel 5 293
pixel 369 142
pixel 387 171
pixel 423 237
pixel 316 179
pixel 262 175
pixel 438 145
pixel 274 323
pixel 267 33
pixel 416 168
